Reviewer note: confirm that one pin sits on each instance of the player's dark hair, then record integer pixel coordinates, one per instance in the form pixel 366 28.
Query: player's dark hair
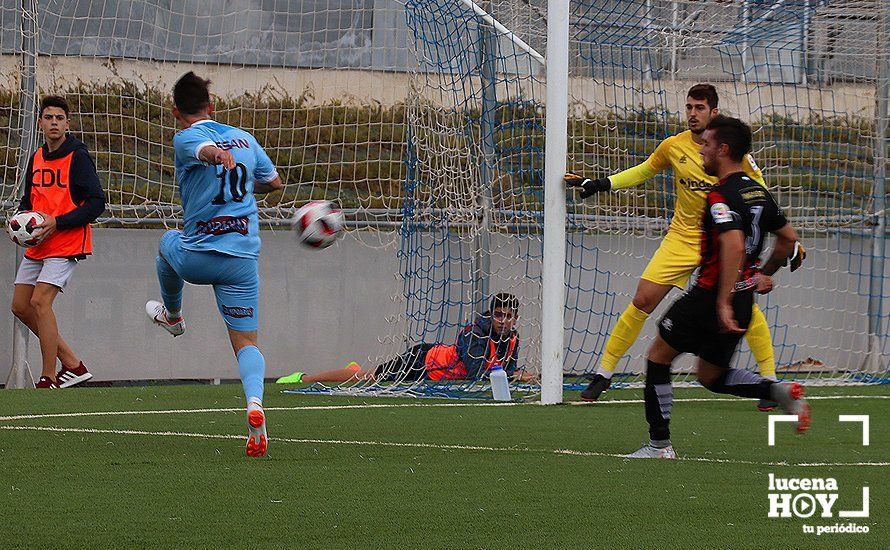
pixel 53 101
pixel 734 133
pixel 704 92
pixel 506 300
pixel 191 94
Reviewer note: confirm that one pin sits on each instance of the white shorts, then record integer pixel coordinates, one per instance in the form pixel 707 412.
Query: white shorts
pixel 53 271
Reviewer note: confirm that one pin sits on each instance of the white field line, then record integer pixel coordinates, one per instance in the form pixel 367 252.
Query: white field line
pixel 720 399
pixel 400 406
pixel 434 446
pixel 241 410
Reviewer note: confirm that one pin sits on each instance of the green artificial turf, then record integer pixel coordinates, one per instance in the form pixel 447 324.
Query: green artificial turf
pixel 414 474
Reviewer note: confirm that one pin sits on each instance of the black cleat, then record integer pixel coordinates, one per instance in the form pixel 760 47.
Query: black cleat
pixel 595 389
pixel 765 405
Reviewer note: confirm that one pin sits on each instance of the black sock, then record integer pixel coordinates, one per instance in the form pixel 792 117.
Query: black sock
pixel 659 397
pixel 742 383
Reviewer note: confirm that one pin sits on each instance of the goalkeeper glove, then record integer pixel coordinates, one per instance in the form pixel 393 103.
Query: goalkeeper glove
pixel 589 187
pixel 798 255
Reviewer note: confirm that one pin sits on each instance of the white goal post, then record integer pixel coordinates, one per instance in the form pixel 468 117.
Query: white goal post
pixel 553 270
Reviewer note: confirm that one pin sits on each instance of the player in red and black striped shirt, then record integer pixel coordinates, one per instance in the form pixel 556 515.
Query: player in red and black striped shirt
pixel 710 319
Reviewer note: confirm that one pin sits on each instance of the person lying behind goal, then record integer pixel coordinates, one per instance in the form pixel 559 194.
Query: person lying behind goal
pixel 490 340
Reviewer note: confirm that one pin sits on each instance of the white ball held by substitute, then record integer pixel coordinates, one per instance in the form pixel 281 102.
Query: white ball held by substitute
pixel 22 228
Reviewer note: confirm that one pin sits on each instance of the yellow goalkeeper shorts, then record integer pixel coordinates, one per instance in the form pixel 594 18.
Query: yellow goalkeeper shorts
pixel 674 261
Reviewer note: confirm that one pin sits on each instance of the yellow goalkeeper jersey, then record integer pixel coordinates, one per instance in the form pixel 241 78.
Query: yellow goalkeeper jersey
pixel 682 154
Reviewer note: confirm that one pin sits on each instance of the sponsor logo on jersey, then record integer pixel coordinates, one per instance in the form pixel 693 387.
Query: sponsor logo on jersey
pixel 721 213
pixel 753 193
pixel 237 311
pixel 227 144
pixel 682 159
pixel 222 225
pixel 696 185
pixel 47 177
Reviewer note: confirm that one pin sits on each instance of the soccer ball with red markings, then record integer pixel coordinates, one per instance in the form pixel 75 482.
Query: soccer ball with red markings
pixel 22 228
pixel 318 224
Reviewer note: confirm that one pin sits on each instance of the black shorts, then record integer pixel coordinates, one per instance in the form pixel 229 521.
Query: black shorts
pixel 690 325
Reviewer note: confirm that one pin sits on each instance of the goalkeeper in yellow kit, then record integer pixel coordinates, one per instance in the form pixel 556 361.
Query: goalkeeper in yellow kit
pixel 679 253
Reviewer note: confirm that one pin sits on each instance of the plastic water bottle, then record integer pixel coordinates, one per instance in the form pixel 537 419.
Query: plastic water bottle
pixel 500 387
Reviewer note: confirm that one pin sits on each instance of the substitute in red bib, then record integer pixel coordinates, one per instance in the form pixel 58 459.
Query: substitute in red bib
pixel 62 184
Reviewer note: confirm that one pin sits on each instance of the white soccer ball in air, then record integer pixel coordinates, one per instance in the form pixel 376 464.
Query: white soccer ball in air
pixel 22 228
pixel 318 224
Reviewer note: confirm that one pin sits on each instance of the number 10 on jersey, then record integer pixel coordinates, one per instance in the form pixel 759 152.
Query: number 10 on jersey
pixel 236 180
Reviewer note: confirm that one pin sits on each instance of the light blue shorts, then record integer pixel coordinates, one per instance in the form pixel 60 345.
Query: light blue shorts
pixel 236 281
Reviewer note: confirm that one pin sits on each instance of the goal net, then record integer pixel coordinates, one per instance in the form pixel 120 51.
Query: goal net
pixel 424 120
pixel 471 222
pixel 807 76
pixel 804 74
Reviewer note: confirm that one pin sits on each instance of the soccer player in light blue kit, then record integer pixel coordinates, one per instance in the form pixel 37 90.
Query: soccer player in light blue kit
pixel 218 169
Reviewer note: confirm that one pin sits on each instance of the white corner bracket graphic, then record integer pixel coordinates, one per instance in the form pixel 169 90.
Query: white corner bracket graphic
pixel 857 513
pixel 857 418
pixel 771 427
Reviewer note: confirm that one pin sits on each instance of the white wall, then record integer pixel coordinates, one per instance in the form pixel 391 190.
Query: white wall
pixel 321 309
pixel 318 309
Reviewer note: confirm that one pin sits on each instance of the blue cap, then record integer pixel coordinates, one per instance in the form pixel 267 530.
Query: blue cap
pixel 497 367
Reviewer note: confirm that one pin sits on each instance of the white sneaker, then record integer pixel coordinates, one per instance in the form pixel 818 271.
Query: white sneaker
pixel 158 313
pixel 257 438
pixel 648 451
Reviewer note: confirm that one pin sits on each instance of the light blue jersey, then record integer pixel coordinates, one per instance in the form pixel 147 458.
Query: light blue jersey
pixel 218 205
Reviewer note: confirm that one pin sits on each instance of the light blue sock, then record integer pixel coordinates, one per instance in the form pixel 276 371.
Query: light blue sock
pixel 252 367
pixel 171 285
